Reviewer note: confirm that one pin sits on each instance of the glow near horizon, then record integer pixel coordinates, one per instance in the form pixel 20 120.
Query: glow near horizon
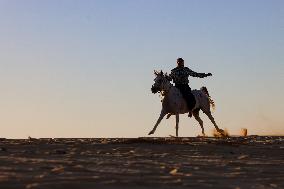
pixel 84 69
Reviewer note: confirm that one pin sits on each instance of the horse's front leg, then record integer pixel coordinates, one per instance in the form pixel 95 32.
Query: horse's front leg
pixel 162 114
pixel 177 122
pixel 197 117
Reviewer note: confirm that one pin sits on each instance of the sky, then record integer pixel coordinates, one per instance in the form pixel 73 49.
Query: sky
pixel 72 68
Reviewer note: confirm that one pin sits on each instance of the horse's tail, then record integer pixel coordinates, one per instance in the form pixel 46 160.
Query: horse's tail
pixel 211 101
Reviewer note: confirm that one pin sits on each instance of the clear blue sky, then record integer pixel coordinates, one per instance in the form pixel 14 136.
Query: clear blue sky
pixel 85 68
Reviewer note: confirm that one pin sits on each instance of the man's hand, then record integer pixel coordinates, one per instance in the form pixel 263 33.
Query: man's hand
pixel 209 74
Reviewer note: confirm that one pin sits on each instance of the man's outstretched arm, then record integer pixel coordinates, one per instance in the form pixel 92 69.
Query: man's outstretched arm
pixel 200 75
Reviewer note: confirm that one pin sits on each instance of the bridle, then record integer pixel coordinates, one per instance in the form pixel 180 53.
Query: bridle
pixel 163 90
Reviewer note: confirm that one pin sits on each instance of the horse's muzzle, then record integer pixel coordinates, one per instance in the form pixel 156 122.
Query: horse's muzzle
pixel 154 89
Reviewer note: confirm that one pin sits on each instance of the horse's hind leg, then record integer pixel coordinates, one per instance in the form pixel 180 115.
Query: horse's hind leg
pixel 177 122
pixel 208 113
pixel 157 123
pixel 196 116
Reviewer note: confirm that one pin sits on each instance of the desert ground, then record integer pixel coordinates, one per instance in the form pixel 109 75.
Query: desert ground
pixel 191 162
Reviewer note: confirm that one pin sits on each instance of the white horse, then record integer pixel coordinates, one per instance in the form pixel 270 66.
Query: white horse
pixel 173 102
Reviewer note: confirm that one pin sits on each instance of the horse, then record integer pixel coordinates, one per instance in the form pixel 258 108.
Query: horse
pixel 173 102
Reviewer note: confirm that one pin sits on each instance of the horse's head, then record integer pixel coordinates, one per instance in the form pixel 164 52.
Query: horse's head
pixel 161 82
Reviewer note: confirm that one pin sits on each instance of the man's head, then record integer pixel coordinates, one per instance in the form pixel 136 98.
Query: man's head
pixel 180 62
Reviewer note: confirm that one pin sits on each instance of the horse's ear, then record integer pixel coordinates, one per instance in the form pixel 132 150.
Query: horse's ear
pixel 155 72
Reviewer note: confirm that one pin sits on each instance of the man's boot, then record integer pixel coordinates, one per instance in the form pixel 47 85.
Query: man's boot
pixel 189 113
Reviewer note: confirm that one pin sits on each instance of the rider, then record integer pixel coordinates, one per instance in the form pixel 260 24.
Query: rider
pixel 179 75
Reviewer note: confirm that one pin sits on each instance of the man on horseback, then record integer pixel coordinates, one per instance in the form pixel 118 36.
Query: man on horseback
pixel 180 75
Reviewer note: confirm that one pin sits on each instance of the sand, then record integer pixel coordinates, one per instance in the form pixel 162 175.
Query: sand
pixel 195 162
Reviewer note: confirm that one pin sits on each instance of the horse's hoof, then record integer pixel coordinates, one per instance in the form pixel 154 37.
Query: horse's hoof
pixel 173 136
pixel 168 116
pixel 201 136
pixel 221 131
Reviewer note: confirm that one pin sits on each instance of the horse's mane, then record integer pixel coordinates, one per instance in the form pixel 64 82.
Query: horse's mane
pixel 166 75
